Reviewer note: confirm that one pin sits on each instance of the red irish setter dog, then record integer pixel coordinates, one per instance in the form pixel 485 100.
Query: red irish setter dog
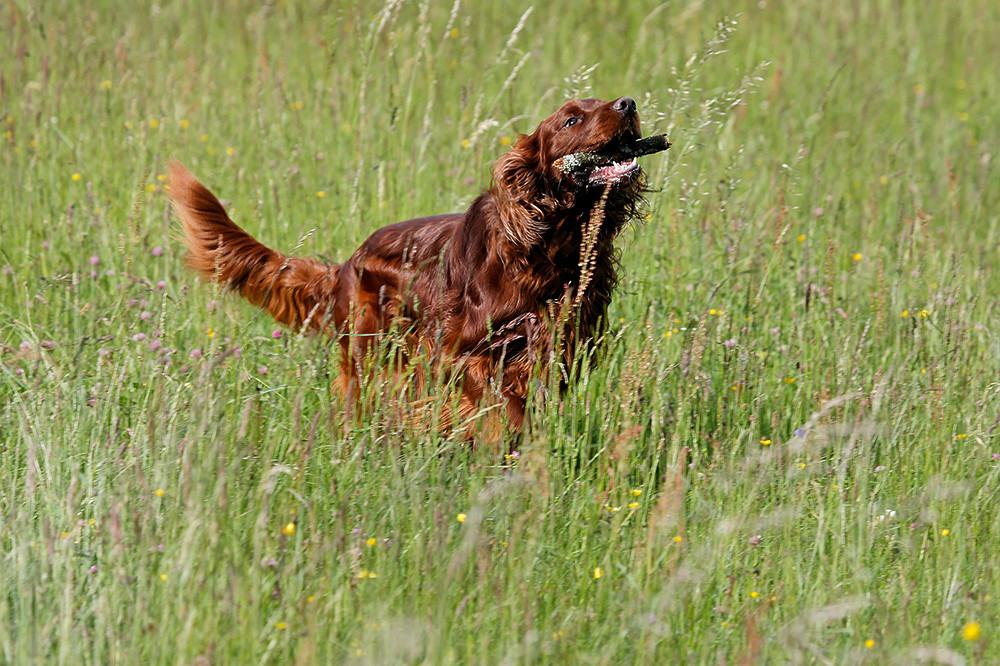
pixel 485 292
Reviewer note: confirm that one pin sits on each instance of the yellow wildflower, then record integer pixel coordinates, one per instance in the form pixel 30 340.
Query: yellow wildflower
pixel 972 631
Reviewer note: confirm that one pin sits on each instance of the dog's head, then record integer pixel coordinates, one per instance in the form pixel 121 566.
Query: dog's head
pixel 527 184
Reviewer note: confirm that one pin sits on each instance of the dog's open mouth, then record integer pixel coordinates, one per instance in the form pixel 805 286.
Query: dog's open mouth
pixel 615 172
pixel 612 163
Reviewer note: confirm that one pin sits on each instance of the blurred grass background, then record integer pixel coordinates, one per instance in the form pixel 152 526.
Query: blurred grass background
pixel 784 451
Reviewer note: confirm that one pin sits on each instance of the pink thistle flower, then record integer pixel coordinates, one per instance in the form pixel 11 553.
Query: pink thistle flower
pixel 730 343
pixel 157 251
pixel 145 315
pixel 94 260
pixel 276 334
pixel 262 370
pixel 195 354
pixel 161 285
pixel 139 337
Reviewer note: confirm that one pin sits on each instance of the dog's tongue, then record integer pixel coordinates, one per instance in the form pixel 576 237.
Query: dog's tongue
pixel 614 172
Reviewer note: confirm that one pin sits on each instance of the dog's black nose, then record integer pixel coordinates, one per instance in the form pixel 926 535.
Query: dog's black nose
pixel 624 105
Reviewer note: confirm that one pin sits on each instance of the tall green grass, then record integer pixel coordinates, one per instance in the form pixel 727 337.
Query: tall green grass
pixel 784 450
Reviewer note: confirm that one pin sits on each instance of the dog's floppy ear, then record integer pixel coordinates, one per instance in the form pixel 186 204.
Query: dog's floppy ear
pixel 517 189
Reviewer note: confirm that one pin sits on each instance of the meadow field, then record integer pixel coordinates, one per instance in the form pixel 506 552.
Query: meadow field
pixel 784 450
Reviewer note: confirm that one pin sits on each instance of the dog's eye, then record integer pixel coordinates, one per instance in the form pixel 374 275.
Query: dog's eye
pixel 572 120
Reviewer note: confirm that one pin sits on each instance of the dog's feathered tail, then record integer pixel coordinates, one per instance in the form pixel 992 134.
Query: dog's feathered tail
pixel 296 292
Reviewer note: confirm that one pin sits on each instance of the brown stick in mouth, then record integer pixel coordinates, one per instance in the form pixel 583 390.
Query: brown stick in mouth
pixel 580 161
